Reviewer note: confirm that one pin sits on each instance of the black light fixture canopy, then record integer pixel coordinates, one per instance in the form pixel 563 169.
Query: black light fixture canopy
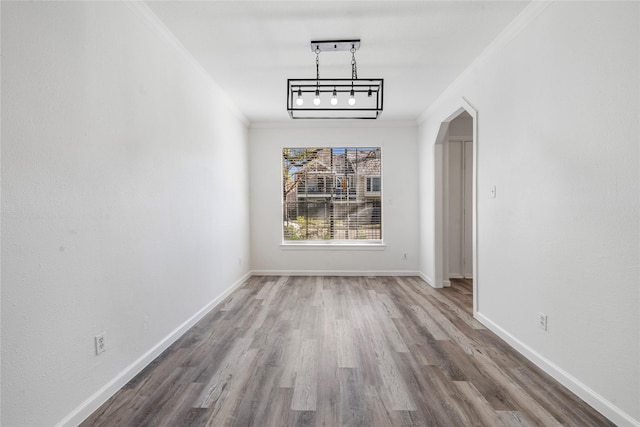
pixel 349 98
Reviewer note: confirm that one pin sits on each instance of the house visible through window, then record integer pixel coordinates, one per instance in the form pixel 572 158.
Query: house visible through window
pixel 332 194
pixel 373 184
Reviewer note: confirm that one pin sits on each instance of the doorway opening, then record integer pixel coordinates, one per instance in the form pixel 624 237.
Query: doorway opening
pixel 455 154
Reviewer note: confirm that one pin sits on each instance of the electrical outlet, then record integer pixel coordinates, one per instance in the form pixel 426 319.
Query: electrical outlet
pixel 101 343
pixel 404 256
pixel 542 321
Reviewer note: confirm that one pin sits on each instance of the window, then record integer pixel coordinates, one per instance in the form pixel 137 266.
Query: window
pixel 332 194
pixel 373 185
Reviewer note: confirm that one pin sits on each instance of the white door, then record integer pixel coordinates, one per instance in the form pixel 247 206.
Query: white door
pixel 467 244
pixel 460 225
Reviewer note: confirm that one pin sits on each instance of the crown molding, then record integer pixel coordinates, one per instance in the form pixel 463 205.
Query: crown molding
pixel 327 124
pixel 522 21
pixel 155 24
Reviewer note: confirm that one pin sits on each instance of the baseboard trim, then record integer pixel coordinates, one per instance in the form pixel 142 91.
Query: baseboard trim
pixel 428 280
pixel 116 383
pixel 615 414
pixel 334 273
pixel 602 405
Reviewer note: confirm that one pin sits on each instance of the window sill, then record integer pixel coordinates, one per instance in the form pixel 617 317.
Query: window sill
pixel 334 246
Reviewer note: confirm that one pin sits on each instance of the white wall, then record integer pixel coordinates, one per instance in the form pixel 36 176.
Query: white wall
pixel 558 110
pixel 121 211
pixel 399 204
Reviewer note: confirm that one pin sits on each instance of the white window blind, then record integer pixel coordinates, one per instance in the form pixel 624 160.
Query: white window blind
pixel 332 194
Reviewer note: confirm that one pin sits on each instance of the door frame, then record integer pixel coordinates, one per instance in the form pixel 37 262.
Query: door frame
pixel 441 202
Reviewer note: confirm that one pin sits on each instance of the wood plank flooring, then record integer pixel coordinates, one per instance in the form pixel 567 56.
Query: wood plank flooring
pixel 343 351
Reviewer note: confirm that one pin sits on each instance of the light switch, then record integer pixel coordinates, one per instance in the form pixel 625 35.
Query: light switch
pixel 492 192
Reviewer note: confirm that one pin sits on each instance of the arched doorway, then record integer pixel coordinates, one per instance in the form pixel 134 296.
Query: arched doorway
pixel 455 169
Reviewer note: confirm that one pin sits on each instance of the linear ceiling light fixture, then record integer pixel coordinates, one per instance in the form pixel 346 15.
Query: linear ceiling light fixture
pixel 318 98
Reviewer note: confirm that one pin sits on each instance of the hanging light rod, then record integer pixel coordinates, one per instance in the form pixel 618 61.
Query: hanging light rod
pixel 335 45
pixel 335 98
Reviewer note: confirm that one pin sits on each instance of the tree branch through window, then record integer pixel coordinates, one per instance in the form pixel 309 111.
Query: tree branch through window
pixel 332 194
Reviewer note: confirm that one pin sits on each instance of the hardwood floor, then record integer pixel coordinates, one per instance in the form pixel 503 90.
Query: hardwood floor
pixel 343 351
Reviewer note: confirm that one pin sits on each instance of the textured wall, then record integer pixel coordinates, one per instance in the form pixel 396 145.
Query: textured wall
pixel 399 204
pixel 558 135
pixel 121 211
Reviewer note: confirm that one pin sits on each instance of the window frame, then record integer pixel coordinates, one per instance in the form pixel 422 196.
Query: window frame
pixel 369 179
pixel 337 244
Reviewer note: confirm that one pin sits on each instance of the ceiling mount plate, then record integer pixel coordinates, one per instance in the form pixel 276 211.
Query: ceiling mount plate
pixel 334 45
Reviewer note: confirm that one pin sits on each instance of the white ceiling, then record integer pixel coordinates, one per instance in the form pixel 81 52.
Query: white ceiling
pixel 250 48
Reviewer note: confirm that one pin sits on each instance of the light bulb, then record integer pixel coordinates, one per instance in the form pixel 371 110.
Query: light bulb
pixel 352 99
pixel 316 100
pixel 299 101
pixel 334 98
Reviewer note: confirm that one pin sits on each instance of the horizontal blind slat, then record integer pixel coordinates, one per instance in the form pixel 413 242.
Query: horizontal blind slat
pixel 332 193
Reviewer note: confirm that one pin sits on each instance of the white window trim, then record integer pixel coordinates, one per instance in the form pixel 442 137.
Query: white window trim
pixel 372 193
pixel 375 245
pixel 342 245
